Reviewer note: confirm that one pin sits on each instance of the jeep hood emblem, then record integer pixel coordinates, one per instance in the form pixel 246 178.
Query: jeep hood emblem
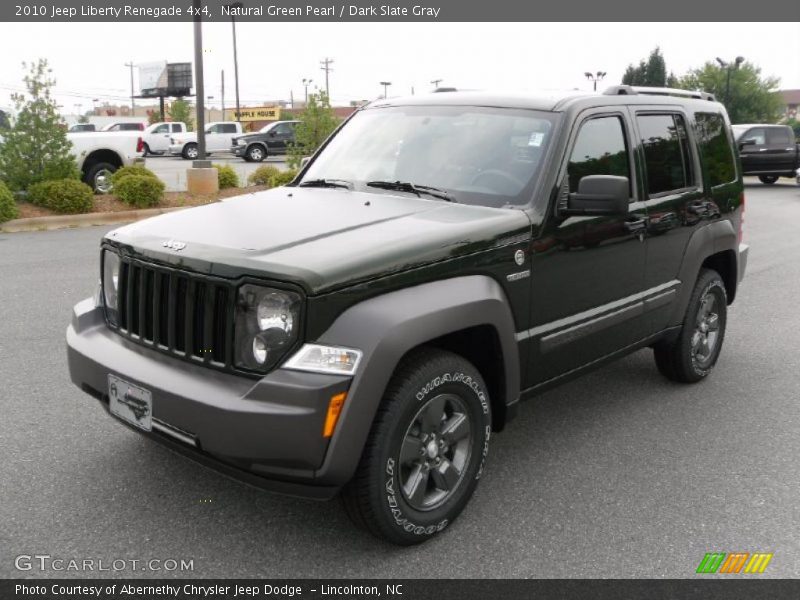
pixel 174 245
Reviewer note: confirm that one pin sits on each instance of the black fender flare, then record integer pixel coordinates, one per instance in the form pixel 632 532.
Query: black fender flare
pixel 386 327
pixel 715 237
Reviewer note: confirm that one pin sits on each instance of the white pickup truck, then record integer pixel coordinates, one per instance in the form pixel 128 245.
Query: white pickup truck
pixel 219 138
pixel 99 154
pixel 158 136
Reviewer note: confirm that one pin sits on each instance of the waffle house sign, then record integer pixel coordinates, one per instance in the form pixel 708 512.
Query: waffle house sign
pixel 259 113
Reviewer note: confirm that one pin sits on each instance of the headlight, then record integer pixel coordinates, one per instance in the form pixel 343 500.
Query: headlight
pixel 110 284
pixel 267 325
pixel 325 359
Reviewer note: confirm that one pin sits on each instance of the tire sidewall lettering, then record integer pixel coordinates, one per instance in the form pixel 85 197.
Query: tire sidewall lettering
pixel 391 475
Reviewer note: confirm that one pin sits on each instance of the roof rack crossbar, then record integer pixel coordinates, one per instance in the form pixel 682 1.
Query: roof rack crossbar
pixel 628 90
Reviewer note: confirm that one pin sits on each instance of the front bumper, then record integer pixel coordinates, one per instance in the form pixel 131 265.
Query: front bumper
pixel 238 150
pixel 266 432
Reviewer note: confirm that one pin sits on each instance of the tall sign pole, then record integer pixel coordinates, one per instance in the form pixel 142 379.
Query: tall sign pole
pixel 198 78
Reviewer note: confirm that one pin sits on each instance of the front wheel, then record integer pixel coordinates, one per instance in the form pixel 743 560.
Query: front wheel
pixel 425 452
pixel 768 179
pixel 692 356
pixel 256 153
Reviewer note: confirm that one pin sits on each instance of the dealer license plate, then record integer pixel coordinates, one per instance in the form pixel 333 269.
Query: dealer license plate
pixel 130 403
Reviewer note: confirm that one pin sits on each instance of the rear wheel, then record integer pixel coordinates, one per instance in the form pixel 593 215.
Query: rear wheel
pixel 693 354
pixel 190 152
pixel 98 177
pixel 146 150
pixel 768 179
pixel 425 452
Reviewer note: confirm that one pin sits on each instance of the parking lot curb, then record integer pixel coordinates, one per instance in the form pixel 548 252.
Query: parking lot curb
pixel 87 220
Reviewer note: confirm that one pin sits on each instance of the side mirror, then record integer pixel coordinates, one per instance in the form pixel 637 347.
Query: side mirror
pixel 271 134
pixel 599 195
pixel 747 142
pixel 304 161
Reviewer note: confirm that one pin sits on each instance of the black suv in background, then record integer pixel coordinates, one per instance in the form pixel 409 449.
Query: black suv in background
pixel 269 140
pixel 768 151
pixel 366 329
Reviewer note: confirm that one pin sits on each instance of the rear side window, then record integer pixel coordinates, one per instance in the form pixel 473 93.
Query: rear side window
pixel 600 149
pixel 227 128
pixel 715 148
pixel 667 156
pixel 778 136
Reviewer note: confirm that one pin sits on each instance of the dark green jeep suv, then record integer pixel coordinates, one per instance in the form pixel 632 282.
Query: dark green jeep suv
pixel 364 330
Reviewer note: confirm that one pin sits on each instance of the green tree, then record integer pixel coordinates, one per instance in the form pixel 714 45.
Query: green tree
pixel 36 147
pixel 751 98
pixel 153 117
pixel 795 125
pixel 181 111
pixel 317 122
pixel 651 73
pixel 4 121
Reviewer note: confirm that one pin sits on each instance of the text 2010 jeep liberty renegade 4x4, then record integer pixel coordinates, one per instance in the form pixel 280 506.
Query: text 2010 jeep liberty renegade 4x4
pixel 367 327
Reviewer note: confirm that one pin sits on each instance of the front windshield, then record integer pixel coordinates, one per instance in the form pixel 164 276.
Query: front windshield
pixel 738 130
pixel 266 128
pixel 477 155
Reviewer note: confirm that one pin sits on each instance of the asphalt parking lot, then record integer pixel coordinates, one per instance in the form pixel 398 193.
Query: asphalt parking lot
pixel 618 474
pixel 172 169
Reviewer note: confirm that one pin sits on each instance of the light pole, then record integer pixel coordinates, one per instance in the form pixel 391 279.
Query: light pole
pixel 729 67
pixel 436 82
pixel 199 83
pixel 595 77
pixel 236 5
pixel 94 105
pixel 133 106
pixel 306 83
pixel 210 108
pixel 385 85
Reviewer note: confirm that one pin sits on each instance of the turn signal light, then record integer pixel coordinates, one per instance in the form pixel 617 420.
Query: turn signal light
pixel 334 410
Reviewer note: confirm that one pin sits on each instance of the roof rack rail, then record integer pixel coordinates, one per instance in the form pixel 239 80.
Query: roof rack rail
pixel 629 90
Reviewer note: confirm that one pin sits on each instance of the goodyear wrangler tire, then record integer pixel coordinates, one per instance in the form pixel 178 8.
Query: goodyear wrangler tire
pixel 425 452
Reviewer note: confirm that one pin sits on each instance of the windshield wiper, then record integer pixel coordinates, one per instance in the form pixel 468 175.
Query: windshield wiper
pixel 407 186
pixel 332 183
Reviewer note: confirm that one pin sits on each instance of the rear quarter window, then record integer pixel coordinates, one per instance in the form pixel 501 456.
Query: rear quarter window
pixel 715 148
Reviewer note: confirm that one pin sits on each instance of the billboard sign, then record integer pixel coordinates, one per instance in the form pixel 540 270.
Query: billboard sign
pixel 152 77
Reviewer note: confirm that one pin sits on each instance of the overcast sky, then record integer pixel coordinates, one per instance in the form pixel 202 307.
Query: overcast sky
pixel 88 58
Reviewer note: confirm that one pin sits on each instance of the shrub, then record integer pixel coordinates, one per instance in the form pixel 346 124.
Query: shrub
pixel 227 177
pixel 8 206
pixel 262 175
pixel 65 196
pixel 282 178
pixel 140 191
pixel 137 170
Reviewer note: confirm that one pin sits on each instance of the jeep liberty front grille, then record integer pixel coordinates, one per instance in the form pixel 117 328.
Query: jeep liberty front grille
pixel 175 312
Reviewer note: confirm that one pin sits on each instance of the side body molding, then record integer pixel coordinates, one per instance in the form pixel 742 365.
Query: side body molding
pixel 386 327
